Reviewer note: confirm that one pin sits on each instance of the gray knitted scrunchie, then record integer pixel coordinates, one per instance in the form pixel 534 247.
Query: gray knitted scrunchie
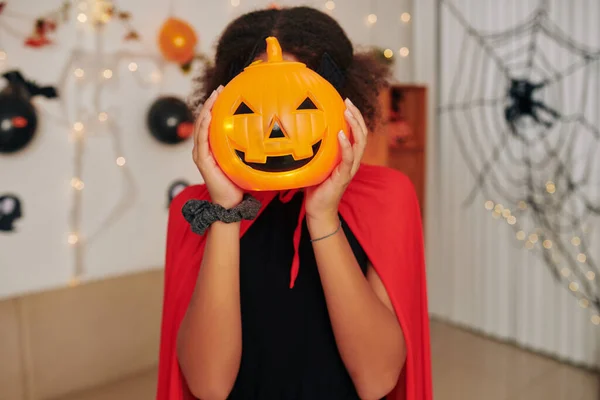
pixel 201 213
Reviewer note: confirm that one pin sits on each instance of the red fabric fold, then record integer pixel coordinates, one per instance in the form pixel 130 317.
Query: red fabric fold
pixel 381 208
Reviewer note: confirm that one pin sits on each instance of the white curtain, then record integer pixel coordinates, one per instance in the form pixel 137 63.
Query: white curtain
pixel 481 272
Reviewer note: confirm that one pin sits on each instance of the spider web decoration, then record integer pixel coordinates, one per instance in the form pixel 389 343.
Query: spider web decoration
pixel 529 149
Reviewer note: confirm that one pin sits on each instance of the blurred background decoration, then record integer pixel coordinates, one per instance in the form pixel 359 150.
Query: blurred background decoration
pixel 492 111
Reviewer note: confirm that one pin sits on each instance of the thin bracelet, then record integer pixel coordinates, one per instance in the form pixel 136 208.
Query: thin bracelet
pixel 329 235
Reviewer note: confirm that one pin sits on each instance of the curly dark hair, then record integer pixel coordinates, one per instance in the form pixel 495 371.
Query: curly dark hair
pixel 307 34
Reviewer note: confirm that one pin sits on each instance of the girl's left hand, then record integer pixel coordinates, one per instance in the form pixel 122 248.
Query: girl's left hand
pixel 322 200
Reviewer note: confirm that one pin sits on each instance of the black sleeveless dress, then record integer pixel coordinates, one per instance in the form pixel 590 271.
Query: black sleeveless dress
pixel 288 346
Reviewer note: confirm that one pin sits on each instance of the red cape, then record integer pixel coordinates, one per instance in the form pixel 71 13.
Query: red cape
pixel 381 209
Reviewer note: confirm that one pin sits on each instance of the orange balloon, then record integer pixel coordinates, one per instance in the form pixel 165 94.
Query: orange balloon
pixel 275 125
pixel 177 41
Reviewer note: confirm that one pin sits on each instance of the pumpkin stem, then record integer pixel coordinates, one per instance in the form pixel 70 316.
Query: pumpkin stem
pixel 274 53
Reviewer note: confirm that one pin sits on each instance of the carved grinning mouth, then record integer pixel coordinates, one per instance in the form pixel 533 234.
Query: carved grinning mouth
pixel 280 163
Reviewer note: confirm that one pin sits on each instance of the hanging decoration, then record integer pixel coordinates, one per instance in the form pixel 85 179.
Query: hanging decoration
pixel 10 211
pixel 105 11
pixel 177 41
pixel 47 24
pixel 98 13
pixel 18 118
pixel 533 154
pixel 169 120
pixel 174 189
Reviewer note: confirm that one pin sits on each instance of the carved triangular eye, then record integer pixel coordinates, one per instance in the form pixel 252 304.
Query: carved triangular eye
pixel 307 104
pixel 243 109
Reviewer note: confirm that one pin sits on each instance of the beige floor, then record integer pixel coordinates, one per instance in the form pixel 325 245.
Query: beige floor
pixel 465 367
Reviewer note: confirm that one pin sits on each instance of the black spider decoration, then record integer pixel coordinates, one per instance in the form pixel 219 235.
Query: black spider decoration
pixel 523 104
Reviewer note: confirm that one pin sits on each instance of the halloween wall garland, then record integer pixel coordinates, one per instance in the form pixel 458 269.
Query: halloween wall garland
pixel 82 66
pixel 525 139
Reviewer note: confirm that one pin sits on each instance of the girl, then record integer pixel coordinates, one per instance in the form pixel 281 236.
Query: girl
pixel 352 323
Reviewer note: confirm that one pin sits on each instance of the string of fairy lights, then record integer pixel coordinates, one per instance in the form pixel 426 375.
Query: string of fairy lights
pixel 97 69
pixel 572 270
pixel 92 72
pixel 370 20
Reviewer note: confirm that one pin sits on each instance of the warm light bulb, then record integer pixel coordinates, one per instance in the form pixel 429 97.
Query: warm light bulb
pixel 82 17
pixel 550 187
pixel 102 117
pixel 121 161
pixel 78 126
pixel 581 257
pixel 533 238
pixel 574 286
pixel 591 275
pixel 404 52
pixel 79 73
pixel 499 208
pixel 529 245
pixel 405 17
pixel 595 319
pixel 511 220
pixel 575 241
pixel 506 213
pixel 2 55
pixel 107 74
pixel 521 235
pixel 489 205
pixel 584 303
pixel 330 5
pixel 496 214
pixel 133 66
pixel 235 3
pixel 155 76
pixel 522 205
pixel 565 272
pixel 73 238
pixel 547 244
pixel 77 184
pixel 388 53
pixel 371 19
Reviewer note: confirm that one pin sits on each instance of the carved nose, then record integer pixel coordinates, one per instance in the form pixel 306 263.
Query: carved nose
pixel 276 132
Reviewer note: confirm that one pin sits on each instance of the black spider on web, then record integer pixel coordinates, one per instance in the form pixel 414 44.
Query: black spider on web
pixel 518 106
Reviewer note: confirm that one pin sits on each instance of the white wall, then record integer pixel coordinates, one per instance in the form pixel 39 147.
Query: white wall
pixel 479 274
pixel 38 256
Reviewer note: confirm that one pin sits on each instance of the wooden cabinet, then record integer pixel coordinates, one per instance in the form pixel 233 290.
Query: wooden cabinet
pixel 400 138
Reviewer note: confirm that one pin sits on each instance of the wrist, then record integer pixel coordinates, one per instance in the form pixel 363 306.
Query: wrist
pixel 227 203
pixel 322 225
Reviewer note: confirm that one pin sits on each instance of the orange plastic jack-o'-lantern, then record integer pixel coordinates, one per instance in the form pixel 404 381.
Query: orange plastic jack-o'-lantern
pixel 177 41
pixel 275 125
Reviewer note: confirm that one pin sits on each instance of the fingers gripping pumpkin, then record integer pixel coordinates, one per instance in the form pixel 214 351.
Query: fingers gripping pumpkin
pixel 275 125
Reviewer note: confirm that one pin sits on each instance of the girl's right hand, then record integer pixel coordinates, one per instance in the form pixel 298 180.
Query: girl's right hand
pixel 222 190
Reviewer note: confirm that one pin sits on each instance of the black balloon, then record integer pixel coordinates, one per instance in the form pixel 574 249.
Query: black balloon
pixel 174 189
pixel 170 120
pixel 18 123
pixel 10 211
pixel 18 119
